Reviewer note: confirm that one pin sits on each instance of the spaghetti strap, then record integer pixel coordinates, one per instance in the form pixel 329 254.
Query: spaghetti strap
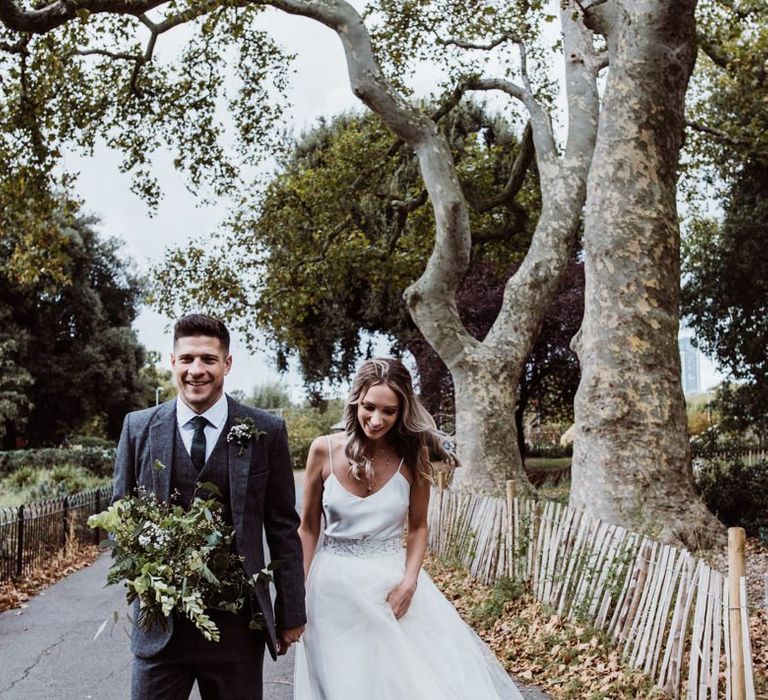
pixel 330 452
pixel 400 466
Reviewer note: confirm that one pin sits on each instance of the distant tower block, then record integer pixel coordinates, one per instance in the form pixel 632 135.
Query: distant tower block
pixel 689 359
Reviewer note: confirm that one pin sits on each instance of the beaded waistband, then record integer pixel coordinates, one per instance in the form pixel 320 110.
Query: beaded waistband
pixel 361 547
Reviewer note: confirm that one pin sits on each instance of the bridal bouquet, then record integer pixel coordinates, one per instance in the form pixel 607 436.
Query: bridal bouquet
pixel 171 558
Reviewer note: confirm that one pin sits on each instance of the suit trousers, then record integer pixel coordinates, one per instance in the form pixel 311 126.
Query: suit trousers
pixel 230 669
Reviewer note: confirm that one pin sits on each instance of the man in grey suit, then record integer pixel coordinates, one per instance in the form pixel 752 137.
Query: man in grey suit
pixel 171 448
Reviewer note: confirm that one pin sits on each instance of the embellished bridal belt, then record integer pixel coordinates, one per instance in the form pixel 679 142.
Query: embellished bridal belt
pixel 362 547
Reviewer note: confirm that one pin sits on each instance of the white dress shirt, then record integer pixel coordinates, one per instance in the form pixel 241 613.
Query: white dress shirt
pixel 216 416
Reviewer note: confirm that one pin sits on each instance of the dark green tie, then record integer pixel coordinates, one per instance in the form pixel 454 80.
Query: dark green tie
pixel 197 453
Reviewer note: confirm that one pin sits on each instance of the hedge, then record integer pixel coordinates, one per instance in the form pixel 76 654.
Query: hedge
pixel 97 460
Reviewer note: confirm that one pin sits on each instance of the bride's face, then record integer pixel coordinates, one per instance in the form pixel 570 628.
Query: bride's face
pixel 377 411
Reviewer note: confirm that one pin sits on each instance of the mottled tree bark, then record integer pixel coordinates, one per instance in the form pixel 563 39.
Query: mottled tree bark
pixel 487 432
pixel 632 462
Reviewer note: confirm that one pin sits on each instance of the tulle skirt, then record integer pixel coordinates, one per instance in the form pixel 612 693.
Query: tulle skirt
pixel 353 646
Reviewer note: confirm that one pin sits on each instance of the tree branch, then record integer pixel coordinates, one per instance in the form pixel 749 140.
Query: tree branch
pixel 543 137
pixel 520 167
pixel 19 47
pixel 563 184
pixel 469 45
pixel 432 298
pixel 40 21
pixel 195 11
pixel 402 209
pixel 453 99
pixel 585 7
pixel 718 55
pixel 717 133
pixel 524 67
pixel 599 16
pixel 109 54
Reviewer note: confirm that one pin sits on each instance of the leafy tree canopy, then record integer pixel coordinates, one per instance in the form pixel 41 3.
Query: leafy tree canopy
pixel 14 386
pixel 725 294
pixel 103 78
pixel 75 340
pixel 156 375
pixel 323 258
pixel 271 395
pixel 742 410
pixel 728 102
pixel 725 262
pixel 343 229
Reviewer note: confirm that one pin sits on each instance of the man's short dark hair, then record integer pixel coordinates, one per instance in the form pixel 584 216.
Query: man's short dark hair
pixel 200 324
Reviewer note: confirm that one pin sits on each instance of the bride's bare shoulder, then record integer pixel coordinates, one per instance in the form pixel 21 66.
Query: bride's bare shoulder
pixel 335 439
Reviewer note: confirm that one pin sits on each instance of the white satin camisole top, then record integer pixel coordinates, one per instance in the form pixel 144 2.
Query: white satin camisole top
pixel 380 516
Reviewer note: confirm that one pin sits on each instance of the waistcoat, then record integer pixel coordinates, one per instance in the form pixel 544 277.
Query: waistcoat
pixel 184 476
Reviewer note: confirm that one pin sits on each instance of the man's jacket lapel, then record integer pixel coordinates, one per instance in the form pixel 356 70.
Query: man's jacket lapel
pixel 239 466
pixel 161 439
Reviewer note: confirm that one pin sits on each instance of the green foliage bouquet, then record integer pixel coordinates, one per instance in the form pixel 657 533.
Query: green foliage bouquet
pixel 172 558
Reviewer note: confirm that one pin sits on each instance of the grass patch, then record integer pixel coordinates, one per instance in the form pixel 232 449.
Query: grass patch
pixel 547 462
pixel 487 612
pixel 556 492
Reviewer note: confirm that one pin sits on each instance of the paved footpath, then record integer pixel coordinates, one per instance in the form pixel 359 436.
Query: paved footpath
pixel 47 650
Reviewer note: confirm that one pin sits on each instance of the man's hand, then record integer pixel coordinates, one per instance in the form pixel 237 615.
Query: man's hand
pixel 286 637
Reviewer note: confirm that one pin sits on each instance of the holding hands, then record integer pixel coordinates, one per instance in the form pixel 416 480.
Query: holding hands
pixel 286 637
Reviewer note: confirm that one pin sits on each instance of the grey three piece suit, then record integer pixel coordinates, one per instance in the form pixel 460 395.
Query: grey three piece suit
pixel 259 498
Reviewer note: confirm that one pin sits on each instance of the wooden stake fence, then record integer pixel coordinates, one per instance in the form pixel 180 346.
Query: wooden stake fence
pixel 669 613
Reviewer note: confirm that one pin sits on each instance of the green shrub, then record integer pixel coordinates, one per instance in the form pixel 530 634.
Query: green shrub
pixel 737 493
pixel 98 460
pixel 22 478
pixel 504 590
pixel 28 484
pixel 548 450
pixel 304 425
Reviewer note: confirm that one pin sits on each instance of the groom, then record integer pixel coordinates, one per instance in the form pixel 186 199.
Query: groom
pixel 169 449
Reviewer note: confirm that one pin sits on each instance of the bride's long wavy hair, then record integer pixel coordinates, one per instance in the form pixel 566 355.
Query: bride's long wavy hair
pixel 413 430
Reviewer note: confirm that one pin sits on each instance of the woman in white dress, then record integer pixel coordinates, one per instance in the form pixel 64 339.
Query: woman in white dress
pixel 377 627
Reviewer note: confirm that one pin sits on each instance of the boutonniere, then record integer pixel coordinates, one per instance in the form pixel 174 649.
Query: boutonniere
pixel 243 432
pixel 158 466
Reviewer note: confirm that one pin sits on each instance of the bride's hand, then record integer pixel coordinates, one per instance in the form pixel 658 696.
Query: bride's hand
pixel 400 597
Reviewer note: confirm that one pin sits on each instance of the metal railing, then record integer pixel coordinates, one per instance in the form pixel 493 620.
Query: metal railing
pixel 35 532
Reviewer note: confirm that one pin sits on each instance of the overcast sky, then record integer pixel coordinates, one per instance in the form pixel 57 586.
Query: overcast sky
pixel 319 87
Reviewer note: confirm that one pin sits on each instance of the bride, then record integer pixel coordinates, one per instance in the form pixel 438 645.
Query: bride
pixel 377 627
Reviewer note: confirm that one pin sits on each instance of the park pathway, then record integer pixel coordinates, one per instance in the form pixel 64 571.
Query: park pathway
pixel 47 650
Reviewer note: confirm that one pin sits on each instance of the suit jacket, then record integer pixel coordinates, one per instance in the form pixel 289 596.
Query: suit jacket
pixel 262 500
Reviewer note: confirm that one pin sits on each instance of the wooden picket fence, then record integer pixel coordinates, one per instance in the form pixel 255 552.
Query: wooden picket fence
pixel 749 457
pixel 668 611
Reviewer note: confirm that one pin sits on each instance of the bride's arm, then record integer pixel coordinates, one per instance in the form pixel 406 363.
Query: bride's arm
pixel 309 530
pixel 400 597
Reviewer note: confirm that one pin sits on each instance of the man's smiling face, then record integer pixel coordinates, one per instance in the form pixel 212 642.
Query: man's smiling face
pixel 200 364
